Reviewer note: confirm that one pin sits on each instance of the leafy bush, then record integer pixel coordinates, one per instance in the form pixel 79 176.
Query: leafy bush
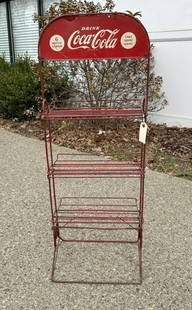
pixel 57 85
pixel 20 87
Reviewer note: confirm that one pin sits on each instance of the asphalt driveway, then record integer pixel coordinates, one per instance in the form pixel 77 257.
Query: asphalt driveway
pixel 26 240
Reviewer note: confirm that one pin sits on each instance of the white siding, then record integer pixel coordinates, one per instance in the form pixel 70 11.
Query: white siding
pixel 174 63
pixel 160 15
pixel 4 42
pixel 170 29
pixel 25 31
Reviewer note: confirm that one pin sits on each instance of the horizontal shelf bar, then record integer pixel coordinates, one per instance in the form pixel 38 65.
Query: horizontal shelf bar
pixel 95 172
pixel 91 113
pixel 93 164
pixel 66 167
pixel 95 177
pixel 100 197
pixel 84 201
pixel 97 282
pixel 88 155
pixel 130 218
pixel 98 228
pixel 98 241
pixel 94 205
pixel 88 218
pixel 95 211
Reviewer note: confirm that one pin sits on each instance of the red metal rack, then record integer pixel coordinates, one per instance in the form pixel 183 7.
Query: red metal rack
pixel 98 214
pixel 65 167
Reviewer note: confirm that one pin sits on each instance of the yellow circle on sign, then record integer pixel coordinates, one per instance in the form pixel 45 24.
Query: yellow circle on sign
pixel 128 40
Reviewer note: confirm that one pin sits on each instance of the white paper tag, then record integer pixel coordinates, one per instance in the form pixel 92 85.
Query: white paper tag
pixel 143 132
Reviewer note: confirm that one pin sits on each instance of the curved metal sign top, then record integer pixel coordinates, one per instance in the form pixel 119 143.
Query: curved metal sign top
pixel 94 36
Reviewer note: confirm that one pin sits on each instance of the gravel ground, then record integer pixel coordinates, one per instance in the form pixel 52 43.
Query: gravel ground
pixel 26 240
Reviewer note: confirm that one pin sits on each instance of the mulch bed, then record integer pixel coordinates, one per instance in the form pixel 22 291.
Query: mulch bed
pixel 97 135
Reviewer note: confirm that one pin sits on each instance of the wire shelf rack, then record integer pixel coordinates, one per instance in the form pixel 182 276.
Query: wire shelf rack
pixel 95 215
pixel 66 167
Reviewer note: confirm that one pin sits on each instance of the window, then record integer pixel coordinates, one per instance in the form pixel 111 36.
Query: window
pixel 25 30
pixel 4 41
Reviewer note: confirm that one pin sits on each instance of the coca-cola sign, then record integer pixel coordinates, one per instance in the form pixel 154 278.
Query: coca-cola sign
pixel 95 36
pixel 103 38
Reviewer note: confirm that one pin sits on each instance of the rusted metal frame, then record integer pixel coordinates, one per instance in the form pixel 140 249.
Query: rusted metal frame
pixel 147 88
pixel 56 232
pixel 90 163
pixel 143 153
pixel 55 226
pixel 95 211
pixel 46 140
pixel 46 137
pixel 51 186
pixel 59 115
pixel 49 155
pixel 141 203
pixel 95 228
pixel 98 241
pixel 88 169
pixel 90 155
pixel 52 175
pixel 90 173
pixel 91 205
pixel 113 198
pixel 49 158
pixel 129 209
pixel 67 162
pixel 94 112
pixel 60 161
pixel 64 218
pixel 105 101
pixel 141 200
pixel 95 172
pixel 96 177
pixel 78 220
pixel 61 166
pixel 87 112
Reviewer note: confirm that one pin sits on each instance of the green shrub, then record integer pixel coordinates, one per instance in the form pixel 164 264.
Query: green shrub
pixel 58 86
pixel 19 88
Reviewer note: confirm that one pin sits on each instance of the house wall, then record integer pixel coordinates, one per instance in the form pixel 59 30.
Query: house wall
pixel 170 29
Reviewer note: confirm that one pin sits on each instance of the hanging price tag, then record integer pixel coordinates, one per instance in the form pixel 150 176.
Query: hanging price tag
pixel 143 132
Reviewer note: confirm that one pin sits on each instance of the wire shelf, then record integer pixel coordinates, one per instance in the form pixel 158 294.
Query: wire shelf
pixel 97 213
pixel 132 108
pixel 92 113
pixel 66 167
